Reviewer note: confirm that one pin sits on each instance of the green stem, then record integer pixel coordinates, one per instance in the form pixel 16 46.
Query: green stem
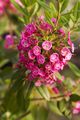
pixel 51 98
pixel 58 17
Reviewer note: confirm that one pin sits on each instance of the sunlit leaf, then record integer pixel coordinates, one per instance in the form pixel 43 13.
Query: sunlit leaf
pixel 44 92
pixel 74 69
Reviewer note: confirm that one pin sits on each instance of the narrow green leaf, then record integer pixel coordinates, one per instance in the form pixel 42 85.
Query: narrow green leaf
pixel 74 69
pixel 74 97
pixel 21 9
pixel 76 10
pixel 53 107
pixel 44 92
pixel 34 9
pixel 62 105
pixel 54 11
pixel 44 5
pixel 64 5
pixel 58 75
pixel 39 113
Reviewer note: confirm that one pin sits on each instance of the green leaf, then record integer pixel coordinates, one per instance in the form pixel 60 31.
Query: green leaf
pixel 64 5
pixel 54 11
pixel 3 62
pixel 76 10
pixel 28 3
pixel 39 113
pixel 21 9
pixel 62 105
pixel 71 23
pixel 34 9
pixel 74 97
pixel 53 107
pixel 44 5
pixel 16 98
pixel 74 69
pixel 58 75
pixel 44 92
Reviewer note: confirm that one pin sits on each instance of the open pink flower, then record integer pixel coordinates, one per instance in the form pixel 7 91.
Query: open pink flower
pixel 47 45
pixel 45 26
pixel 54 57
pixel 31 55
pixel 57 66
pixel 41 73
pixel 40 59
pixel 35 71
pixel 36 50
pixel 66 53
pixel 25 42
pixel 30 29
pixel 48 67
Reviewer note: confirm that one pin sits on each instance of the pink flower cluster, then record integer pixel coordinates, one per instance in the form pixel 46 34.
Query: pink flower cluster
pixel 41 54
pixel 6 4
pixel 76 110
pixel 9 41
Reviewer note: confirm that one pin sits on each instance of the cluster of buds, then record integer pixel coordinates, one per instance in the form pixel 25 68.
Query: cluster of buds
pixel 6 4
pixel 44 50
pixel 9 42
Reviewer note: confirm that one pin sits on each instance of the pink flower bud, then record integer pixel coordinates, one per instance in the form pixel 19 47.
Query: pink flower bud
pixel 38 83
pixel 55 89
pixel 61 31
pixel 70 42
pixel 54 20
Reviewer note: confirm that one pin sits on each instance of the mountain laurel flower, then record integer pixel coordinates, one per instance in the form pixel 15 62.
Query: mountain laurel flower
pixel 47 45
pixel 66 53
pixel 30 29
pixel 45 26
pixel 31 55
pixel 35 71
pixel 57 66
pixel 40 54
pixel 40 59
pixel 54 57
pixel 36 50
